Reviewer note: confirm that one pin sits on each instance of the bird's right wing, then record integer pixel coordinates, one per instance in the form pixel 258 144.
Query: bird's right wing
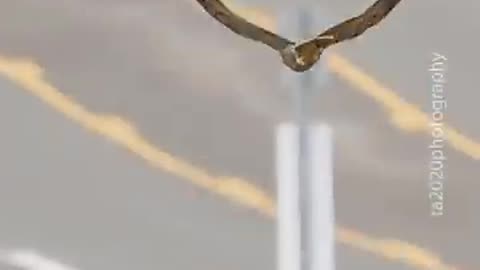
pixel 355 26
pixel 239 25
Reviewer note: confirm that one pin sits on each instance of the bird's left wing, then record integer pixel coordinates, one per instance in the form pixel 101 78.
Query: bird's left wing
pixel 239 25
pixel 355 26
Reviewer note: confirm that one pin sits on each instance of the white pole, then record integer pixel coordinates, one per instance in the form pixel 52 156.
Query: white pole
pixel 321 209
pixel 306 222
pixel 323 204
pixel 288 209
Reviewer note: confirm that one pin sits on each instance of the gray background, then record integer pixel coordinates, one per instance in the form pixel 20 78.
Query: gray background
pixel 210 97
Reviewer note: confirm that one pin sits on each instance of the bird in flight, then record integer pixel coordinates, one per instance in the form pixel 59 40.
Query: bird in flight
pixel 300 56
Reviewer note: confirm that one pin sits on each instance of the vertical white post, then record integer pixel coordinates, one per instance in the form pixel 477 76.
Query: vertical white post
pixel 305 232
pixel 323 204
pixel 288 208
pixel 321 193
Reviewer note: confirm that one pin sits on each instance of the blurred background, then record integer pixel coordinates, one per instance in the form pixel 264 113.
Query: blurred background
pixel 139 134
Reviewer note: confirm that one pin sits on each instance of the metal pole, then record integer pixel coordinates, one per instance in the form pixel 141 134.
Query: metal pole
pixel 321 218
pixel 288 221
pixel 304 168
pixel 323 214
pixel 304 96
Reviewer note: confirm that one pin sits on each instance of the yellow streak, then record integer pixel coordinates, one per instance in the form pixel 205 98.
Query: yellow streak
pixel 29 76
pixel 403 115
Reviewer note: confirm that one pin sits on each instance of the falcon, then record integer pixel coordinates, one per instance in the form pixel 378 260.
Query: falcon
pixel 300 56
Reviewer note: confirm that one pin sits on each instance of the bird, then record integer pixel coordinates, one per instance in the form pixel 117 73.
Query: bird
pixel 302 55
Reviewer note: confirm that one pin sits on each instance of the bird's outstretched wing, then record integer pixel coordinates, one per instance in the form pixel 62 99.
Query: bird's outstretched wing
pixel 239 25
pixel 355 26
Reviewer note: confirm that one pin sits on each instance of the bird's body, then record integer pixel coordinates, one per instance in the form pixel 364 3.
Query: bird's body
pixel 291 58
pixel 300 56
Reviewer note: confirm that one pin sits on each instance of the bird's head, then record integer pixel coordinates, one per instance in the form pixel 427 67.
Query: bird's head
pixel 301 57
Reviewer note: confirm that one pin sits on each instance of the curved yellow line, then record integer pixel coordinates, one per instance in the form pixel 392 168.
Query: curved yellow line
pixel 29 76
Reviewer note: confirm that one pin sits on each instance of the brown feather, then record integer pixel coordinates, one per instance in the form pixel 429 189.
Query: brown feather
pixel 243 27
pixel 356 26
pixel 301 57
